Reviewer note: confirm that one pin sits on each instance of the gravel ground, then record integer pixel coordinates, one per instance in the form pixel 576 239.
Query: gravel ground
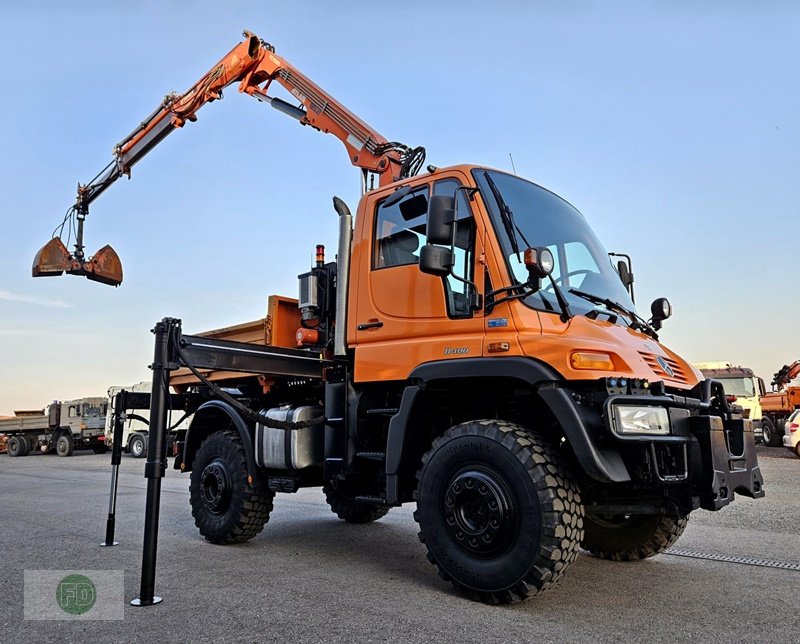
pixel 312 578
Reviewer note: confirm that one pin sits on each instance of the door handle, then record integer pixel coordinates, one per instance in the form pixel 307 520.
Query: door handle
pixel 376 324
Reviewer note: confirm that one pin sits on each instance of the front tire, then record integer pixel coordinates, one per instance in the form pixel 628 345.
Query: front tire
pixel 225 506
pixel 769 435
pixel 498 511
pixel 137 446
pixel 352 510
pixel 64 445
pixel 631 537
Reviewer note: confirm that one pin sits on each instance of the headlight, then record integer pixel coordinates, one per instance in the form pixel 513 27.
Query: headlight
pixel 629 419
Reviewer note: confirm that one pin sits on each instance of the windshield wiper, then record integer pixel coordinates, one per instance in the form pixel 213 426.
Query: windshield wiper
pixel 637 323
pixel 507 217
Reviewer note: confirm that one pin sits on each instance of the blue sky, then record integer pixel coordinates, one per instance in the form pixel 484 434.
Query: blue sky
pixel 673 127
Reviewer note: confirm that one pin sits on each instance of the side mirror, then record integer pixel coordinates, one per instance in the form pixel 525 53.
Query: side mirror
pixel 625 274
pixel 661 310
pixel 436 260
pixel 441 220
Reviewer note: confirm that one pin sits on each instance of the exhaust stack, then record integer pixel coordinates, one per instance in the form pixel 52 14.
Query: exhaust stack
pixel 342 275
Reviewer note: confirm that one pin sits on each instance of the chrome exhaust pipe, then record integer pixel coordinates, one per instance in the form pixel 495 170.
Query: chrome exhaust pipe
pixel 342 275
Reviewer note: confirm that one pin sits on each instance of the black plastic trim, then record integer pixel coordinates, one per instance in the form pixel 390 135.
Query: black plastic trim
pixel 600 464
pixel 247 440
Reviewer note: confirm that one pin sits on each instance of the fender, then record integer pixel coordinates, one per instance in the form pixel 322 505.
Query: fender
pixel 600 464
pixel 206 420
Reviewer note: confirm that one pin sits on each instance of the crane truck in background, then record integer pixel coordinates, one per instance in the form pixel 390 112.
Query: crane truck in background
pixel 745 385
pixel 61 426
pixel 778 404
pixel 471 349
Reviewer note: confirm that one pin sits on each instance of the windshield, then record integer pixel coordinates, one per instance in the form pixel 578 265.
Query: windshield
pixel 545 219
pixel 743 387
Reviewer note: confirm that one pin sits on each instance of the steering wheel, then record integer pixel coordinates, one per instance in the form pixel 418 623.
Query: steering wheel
pixel 563 278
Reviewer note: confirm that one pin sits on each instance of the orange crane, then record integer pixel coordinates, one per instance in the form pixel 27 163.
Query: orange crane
pixel 254 64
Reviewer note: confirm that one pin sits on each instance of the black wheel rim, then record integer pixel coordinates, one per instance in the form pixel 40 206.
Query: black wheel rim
pixel 215 485
pixel 479 514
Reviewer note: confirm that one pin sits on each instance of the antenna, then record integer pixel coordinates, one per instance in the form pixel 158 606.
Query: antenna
pixel 512 164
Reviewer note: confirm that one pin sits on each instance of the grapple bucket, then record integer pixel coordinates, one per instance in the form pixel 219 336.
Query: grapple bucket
pixel 52 259
pixel 104 267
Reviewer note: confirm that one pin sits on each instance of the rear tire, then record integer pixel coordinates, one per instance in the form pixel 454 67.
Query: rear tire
pixel 64 445
pixel 99 449
pixel 137 446
pixel 498 511
pixel 225 506
pixel 15 446
pixel 351 510
pixel 631 538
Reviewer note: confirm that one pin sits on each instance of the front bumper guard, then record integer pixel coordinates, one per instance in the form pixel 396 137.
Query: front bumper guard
pixel 723 460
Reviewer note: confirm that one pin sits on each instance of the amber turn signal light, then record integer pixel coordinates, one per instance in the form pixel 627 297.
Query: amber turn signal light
pixel 591 360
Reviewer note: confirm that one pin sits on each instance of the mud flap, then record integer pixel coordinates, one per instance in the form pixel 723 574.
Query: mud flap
pixel 724 461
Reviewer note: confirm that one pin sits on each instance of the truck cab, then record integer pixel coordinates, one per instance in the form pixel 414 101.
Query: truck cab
pixel 740 382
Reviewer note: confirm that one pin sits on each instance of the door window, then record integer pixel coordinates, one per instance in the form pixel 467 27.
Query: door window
pixel 458 291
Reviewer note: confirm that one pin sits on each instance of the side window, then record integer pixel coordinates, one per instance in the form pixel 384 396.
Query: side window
pixel 73 412
pixel 458 291
pixel 400 230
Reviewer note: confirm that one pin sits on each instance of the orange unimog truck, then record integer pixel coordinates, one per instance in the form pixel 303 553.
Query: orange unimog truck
pixel 472 350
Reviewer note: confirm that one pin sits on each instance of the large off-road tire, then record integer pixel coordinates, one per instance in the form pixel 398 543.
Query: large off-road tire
pixel 137 446
pixel 498 511
pixel 26 445
pixel 631 537
pixel 99 449
pixel 64 445
pixel 15 446
pixel 225 506
pixel 769 434
pixel 352 510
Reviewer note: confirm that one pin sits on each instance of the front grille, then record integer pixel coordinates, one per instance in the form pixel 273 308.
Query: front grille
pixel 678 373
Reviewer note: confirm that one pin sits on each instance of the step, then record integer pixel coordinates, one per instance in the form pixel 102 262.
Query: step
pixel 371 499
pixel 389 411
pixel 372 456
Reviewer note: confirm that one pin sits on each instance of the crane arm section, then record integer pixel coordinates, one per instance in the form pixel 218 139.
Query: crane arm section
pixel 254 64
pixel 786 374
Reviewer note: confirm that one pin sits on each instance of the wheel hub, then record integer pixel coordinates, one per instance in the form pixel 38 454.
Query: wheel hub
pixel 215 482
pixel 478 512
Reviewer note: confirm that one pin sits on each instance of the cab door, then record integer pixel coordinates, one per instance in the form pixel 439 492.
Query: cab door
pixel 404 317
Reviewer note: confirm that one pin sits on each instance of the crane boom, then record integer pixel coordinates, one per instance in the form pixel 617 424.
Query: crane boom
pixel 786 374
pixel 254 64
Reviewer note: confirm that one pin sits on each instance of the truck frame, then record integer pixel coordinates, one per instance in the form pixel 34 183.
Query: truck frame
pixel 507 388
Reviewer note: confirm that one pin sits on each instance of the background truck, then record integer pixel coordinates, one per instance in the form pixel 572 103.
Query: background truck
pixel 777 405
pixel 471 349
pixel 61 426
pixel 740 382
pixel 136 425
